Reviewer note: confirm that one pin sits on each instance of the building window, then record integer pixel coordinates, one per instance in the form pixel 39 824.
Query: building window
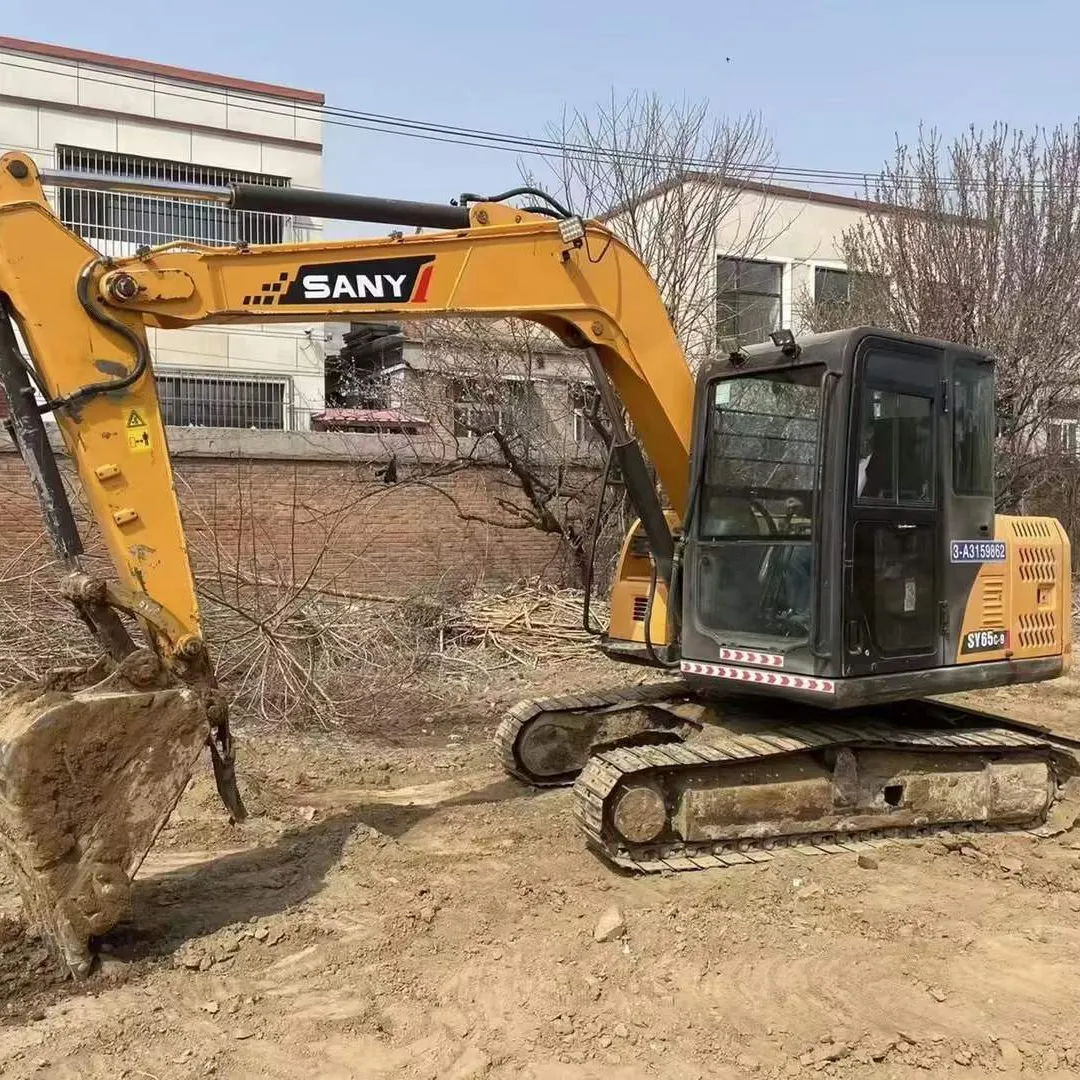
pixel 1061 437
pixel 749 296
pixel 582 403
pixel 831 286
pixel 117 222
pixel 1062 425
pixel 484 406
pixel 190 400
pixel 346 388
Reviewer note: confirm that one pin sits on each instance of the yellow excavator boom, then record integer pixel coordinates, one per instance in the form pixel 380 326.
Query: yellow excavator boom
pixel 76 840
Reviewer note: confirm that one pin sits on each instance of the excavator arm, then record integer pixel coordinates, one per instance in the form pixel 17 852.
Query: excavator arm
pixel 84 318
pixel 590 290
pixel 129 733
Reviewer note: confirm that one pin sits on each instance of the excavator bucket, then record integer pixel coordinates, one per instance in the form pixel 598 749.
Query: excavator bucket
pixel 88 777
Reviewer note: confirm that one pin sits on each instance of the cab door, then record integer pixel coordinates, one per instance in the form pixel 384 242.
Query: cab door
pixel 892 616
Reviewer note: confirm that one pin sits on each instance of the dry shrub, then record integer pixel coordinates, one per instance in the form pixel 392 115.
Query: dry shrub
pixel 297 656
pixel 39 631
pixel 285 655
pixel 292 646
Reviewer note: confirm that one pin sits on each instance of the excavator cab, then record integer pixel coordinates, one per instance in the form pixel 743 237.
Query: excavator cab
pixel 842 542
pixel 839 565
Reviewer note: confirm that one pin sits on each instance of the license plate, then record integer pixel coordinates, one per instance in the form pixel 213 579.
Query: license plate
pixel 977 551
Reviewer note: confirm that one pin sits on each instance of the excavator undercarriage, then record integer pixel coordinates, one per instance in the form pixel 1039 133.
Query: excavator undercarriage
pixel 664 779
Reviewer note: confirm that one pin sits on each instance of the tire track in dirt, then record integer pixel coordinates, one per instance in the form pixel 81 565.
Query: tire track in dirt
pixel 841 983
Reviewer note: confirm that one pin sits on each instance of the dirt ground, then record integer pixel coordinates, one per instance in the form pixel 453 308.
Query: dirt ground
pixel 396 908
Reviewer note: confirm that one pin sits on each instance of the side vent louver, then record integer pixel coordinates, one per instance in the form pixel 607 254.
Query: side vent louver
pixel 993 602
pixel 1030 529
pixel 1037 563
pixel 1036 629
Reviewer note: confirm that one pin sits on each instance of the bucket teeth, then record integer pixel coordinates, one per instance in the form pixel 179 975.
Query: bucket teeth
pixel 88 777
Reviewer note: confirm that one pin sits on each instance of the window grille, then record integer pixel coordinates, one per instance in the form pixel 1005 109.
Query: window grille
pixel 582 401
pixel 117 223
pixel 480 407
pixel 749 297
pixel 196 400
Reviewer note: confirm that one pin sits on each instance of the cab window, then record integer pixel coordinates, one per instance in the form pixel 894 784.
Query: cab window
pixel 973 428
pixel 896 449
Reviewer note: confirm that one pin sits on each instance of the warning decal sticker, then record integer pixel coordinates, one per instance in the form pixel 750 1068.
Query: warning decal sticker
pixel 138 434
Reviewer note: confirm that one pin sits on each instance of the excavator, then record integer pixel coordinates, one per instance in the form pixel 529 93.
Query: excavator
pixel 824 564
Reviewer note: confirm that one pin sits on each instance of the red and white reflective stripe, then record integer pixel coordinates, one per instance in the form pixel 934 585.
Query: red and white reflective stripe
pixel 743 656
pixel 766 678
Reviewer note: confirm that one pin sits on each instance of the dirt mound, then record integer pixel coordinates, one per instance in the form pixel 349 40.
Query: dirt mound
pixel 29 977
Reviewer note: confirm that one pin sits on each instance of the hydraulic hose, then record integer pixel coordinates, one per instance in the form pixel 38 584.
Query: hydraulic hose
pixel 653 655
pixel 594 535
pixel 536 192
pixel 105 386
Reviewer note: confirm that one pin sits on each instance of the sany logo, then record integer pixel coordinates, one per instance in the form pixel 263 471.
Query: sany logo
pixel 355 287
pixel 362 281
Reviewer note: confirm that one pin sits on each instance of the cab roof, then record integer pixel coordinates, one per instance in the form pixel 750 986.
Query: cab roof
pixel 831 348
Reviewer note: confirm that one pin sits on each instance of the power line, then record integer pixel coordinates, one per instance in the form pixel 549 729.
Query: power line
pixel 478 138
pixel 481 138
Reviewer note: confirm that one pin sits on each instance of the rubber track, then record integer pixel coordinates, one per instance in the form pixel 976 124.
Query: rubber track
pixel 524 712
pixel 606 770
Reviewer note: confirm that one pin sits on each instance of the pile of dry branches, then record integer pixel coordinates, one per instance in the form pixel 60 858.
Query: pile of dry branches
pixel 284 654
pixel 291 653
pixel 39 631
pixel 530 623
pixel 303 656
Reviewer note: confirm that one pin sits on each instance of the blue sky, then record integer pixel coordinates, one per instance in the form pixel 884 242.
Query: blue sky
pixel 835 81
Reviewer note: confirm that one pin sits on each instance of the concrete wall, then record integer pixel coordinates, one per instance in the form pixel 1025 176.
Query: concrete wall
pixel 50 101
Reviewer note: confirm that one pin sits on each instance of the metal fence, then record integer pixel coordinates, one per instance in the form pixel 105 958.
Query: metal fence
pixel 117 223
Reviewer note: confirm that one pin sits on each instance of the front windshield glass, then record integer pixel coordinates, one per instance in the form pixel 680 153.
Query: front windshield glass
pixel 754 564
pixel 762 455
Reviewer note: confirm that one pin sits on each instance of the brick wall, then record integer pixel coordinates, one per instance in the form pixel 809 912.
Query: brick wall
pixel 313 509
pixel 356 532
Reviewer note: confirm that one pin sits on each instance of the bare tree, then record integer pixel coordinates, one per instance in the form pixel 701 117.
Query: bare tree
pixel 977 240
pixel 515 399
pixel 668 179
pixel 296 641
pixel 671 180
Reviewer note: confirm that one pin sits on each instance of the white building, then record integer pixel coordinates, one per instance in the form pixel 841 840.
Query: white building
pixel 774 253
pixel 89 112
pixel 777 253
